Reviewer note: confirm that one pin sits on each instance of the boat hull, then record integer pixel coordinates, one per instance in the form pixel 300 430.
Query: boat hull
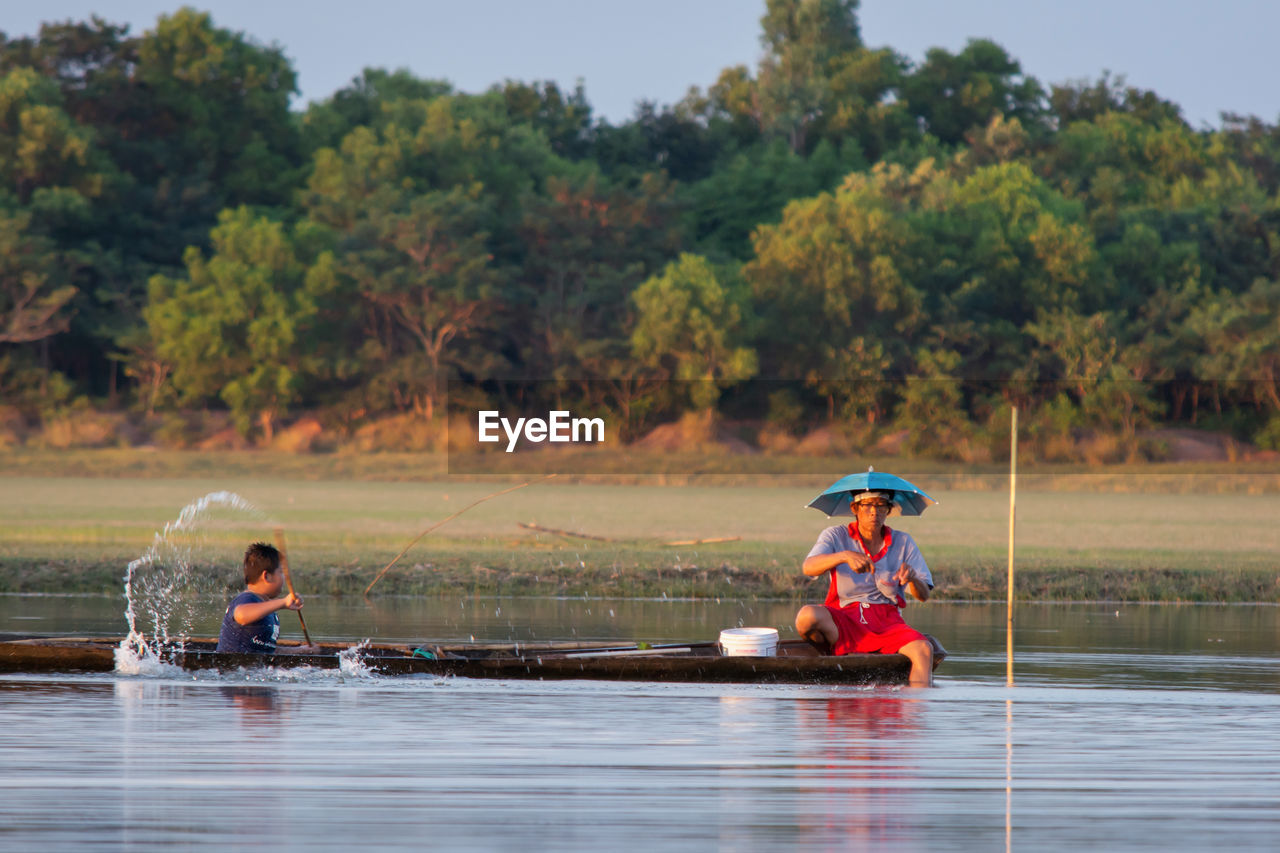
pixel 795 663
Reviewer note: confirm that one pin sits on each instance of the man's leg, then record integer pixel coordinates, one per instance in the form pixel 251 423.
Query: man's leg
pixel 814 623
pixel 939 652
pixel 920 653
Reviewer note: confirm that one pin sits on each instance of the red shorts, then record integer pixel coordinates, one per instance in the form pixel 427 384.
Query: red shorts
pixel 867 628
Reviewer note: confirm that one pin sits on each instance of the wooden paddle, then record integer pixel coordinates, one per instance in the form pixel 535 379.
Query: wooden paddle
pixel 288 581
pixel 444 521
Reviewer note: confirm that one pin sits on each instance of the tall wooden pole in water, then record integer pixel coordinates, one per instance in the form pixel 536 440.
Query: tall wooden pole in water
pixel 1013 492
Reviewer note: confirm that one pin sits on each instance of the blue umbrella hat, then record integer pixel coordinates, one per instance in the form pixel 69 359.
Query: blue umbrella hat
pixel 837 498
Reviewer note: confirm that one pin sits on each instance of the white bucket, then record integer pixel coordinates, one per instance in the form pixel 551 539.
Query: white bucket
pixel 749 642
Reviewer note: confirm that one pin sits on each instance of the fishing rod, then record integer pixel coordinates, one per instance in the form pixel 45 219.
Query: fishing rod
pixel 444 521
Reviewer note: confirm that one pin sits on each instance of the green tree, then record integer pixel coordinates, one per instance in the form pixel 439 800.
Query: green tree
pixel 220 103
pixel 865 108
pixel 915 260
pixel 1156 276
pixel 954 93
pixel 815 83
pixel 1241 333
pixel 59 178
pixel 1119 160
pixel 421 146
pixel 1085 101
pixel 360 104
pixel 1083 349
pixel 425 283
pixel 156 133
pixel 733 101
pixel 1023 247
pixel 932 409
pixel 753 187
pixel 803 41
pixel 427 206
pixel 680 142
pixel 1175 215
pixel 241 325
pixel 35 281
pixel 853 379
pixel 587 245
pixel 1122 400
pixel 998 247
pixel 1255 145
pixel 689 326
pixel 41 146
pixel 834 277
pixel 564 119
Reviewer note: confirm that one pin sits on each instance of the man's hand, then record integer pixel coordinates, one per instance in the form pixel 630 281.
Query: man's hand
pixel 293 601
pixel 914 584
pixel 860 563
pixel 820 564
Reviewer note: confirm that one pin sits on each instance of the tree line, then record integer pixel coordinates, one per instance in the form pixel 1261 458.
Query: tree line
pixel 909 243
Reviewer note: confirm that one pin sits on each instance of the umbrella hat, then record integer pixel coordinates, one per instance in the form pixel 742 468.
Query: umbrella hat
pixel 836 498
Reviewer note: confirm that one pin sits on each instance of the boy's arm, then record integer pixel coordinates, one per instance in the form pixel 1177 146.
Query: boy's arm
pixel 258 610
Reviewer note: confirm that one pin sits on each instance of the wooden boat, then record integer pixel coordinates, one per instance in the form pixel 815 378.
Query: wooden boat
pixel 796 662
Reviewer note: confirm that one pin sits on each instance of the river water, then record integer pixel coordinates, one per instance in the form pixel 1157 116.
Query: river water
pixel 1127 728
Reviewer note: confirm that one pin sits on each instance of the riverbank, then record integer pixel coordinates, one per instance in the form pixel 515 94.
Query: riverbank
pixel 1149 533
pixel 628 467
pixel 93 559
pixel 454 576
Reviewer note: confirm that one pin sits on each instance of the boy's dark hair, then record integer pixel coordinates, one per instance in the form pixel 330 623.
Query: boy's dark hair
pixel 259 559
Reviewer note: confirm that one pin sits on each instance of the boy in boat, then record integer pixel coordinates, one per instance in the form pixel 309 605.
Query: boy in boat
pixel 871 566
pixel 250 623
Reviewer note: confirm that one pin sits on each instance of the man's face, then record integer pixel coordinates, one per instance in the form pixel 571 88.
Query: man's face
pixel 871 514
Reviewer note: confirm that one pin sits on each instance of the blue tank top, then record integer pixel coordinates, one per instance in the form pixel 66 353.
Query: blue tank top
pixel 257 636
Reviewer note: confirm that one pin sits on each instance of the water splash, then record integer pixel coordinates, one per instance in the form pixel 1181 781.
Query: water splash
pixel 351 662
pixel 174 583
pixel 136 659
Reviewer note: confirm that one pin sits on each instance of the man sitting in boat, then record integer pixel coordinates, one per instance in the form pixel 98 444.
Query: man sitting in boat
pixel 250 623
pixel 871 566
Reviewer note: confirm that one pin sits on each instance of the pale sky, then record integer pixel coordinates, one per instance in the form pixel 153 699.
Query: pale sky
pixel 1206 57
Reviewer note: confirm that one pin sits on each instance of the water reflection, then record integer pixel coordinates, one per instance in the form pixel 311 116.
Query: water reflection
pixel 258 708
pixel 1008 775
pixel 402 763
pixel 860 766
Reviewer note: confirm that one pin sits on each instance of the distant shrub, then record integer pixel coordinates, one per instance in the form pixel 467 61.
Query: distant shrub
pixel 176 431
pixel 304 436
pixel 1268 438
pixel 78 427
pixel 786 413
pixel 13 428
pixel 400 432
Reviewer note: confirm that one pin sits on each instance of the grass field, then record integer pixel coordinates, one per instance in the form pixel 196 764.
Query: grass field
pixel 72 523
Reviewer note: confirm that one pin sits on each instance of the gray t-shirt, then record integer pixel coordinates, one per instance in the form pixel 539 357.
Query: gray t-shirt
pixel 869 588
